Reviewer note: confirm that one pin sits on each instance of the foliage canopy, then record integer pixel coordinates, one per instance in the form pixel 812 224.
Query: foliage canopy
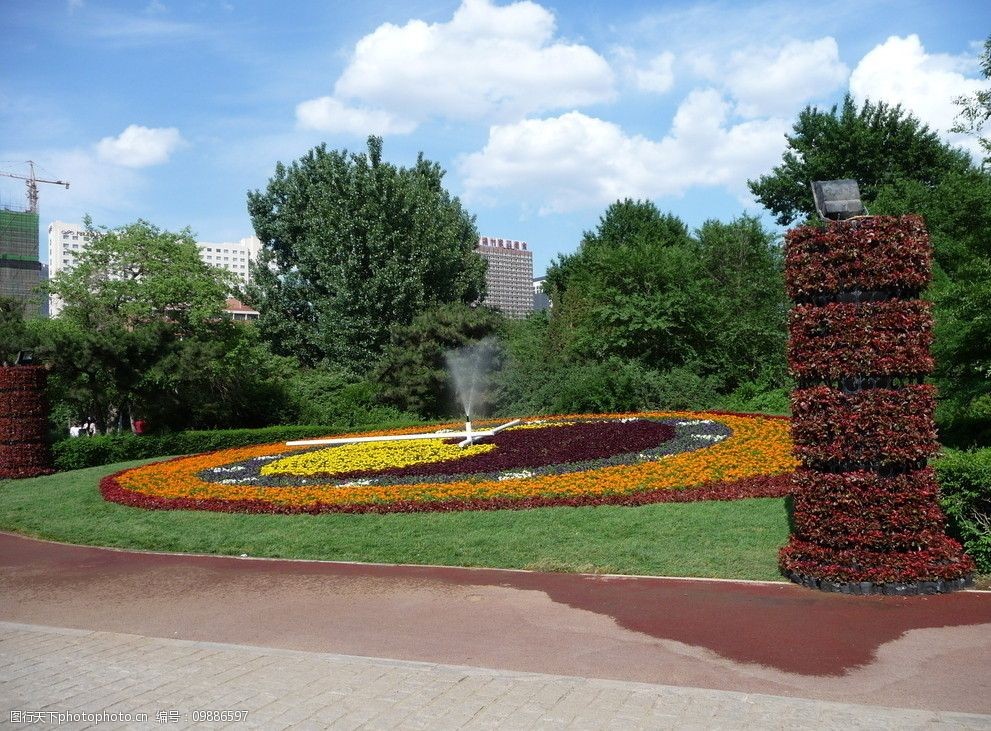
pixel 876 145
pixel 354 246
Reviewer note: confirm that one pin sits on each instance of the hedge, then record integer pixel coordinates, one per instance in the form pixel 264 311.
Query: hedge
pixel 965 490
pixel 79 452
pixel 880 254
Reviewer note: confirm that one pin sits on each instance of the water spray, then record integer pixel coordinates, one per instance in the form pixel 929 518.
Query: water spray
pixel 468 366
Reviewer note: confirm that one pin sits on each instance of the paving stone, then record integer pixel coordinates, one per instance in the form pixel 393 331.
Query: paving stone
pixel 53 669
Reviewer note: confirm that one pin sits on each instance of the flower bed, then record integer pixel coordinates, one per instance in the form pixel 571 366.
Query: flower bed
pixel 621 459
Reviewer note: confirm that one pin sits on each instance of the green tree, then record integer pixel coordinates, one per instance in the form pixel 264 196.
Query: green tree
pixel 877 145
pixel 742 276
pixel 139 274
pixel 413 373
pixel 14 335
pixel 975 109
pixel 957 211
pixel 135 292
pixel 98 373
pixel 630 291
pixel 354 246
pixel 223 376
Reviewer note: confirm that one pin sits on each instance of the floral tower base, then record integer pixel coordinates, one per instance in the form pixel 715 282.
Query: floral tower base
pixel 24 448
pixel 866 516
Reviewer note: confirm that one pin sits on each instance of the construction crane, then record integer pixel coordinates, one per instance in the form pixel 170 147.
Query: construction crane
pixel 32 181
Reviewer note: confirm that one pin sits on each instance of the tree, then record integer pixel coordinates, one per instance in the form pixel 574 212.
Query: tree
pixel 876 145
pixel 957 212
pixel 742 276
pixel 353 247
pixel 975 109
pixel 134 293
pixel 631 291
pixel 13 331
pixel 222 377
pixel 413 372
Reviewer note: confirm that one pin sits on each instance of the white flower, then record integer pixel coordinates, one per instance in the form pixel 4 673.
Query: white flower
pixel 356 483
pixel 521 475
pixel 711 437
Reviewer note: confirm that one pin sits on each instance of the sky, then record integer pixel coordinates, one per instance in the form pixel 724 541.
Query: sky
pixel 542 113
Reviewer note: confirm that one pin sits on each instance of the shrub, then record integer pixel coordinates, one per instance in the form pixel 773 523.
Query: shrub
pixel 74 454
pixel 881 426
pixel 24 450
pixel 755 397
pixel 329 397
pixel 965 489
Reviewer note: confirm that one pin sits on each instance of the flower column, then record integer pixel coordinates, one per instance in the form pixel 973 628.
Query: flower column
pixel 866 517
pixel 23 422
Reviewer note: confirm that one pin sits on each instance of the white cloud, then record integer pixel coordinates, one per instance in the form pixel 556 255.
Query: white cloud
pixel 329 115
pixel 138 147
pixel 778 81
pixel 487 61
pixel 573 161
pixel 900 71
pixel 657 75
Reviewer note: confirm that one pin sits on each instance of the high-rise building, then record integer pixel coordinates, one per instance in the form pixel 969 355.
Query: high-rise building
pixel 20 269
pixel 509 277
pixel 67 240
pixel 232 257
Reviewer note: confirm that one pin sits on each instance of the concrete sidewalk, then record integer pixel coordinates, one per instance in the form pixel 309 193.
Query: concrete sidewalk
pixel 78 672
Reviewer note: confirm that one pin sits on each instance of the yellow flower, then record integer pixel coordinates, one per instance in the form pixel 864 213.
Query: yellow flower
pixel 371 456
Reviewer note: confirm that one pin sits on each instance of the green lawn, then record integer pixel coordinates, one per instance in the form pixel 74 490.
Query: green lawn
pixel 736 539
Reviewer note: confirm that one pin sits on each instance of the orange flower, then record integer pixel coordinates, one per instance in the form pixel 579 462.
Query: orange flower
pixel 757 446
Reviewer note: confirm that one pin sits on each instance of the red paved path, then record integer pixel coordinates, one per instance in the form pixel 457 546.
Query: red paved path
pixel 923 652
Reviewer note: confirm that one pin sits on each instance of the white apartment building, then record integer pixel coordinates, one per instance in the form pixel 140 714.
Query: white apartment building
pixel 232 257
pixel 67 240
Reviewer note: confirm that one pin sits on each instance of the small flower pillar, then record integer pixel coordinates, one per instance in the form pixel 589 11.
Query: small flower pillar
pixel 24 449
pixel 866 517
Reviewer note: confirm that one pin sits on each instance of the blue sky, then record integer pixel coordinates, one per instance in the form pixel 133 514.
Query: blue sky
pixel 542 113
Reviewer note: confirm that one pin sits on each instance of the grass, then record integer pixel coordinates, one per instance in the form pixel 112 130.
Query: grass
pixel 737 539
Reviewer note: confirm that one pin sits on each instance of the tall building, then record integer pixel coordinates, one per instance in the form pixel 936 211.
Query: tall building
pixel 67 240
pixel 509 277
pixel 232 257
pixel 20 269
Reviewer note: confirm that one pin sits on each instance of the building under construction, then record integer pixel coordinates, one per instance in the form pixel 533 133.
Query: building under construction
pixel 20 268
